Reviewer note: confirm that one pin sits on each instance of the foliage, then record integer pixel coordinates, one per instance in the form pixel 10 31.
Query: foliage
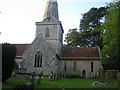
pixel 8 56
pixel 73 76
pixel 90 29
pixel 72 38
pixel 66 83
pixel 111 51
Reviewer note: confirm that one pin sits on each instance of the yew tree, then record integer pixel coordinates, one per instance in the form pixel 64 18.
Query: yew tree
pixel 8 60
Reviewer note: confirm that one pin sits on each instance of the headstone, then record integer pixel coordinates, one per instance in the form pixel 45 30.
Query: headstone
pixel 39 79
pixel 54 75
pixel 33 78
pixel 51 76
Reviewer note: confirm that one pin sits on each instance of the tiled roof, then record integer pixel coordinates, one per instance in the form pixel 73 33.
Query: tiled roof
pixel 88 53
pixel 21 48
pixel 68 53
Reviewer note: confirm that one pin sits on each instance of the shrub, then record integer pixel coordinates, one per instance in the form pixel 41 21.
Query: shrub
pixel 8 56
pixel 73 75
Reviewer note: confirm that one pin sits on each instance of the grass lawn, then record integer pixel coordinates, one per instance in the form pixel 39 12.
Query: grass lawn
pixel 66 83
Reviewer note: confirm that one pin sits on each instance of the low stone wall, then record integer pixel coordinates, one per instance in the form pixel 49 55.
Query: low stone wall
pixel 17 73
pixel 111 74
pixel 20 76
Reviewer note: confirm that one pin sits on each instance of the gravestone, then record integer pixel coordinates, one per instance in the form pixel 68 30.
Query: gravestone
pixel 39 78
pixel 51 76
pixel 33 78
pixel 54 75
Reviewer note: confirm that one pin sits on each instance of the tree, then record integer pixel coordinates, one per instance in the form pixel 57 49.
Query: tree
pixel 8 56
pixel 72 37
pixel 90 29
pixel 90 26
pixel 111 37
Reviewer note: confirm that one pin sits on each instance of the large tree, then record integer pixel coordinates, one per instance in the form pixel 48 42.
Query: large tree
pixel 111 37
pixel 8 60
pixel 90 26
pixel 90 29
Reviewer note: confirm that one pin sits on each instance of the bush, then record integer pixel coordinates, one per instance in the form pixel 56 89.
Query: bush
pixel 73 76
pixel 8 56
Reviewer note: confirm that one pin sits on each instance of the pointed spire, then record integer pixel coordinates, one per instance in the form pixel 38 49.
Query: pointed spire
pixel 51 11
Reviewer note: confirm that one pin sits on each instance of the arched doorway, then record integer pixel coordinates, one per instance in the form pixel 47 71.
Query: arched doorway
pixel 83 74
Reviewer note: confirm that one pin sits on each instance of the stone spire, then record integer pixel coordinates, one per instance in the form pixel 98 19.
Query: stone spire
pixel 51 11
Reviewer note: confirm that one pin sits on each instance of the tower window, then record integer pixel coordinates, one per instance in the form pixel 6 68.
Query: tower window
pixel 47 33
pixel 91 66
pixel 38 59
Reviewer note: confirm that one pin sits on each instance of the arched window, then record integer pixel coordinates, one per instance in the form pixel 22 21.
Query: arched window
pixel 65 69
pixel 35 65
pixel 74 67
pixel 47 33
pixel 91 66
pixel 38 59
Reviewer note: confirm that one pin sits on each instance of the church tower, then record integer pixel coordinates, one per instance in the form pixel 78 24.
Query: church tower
pixel 51 28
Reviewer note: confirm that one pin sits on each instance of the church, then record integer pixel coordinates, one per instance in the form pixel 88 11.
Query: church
pixel 46 53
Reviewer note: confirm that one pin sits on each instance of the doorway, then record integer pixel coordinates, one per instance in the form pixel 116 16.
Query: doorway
pixel 83 74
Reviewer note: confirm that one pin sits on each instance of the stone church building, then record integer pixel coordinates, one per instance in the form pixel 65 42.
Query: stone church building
pixel 46 53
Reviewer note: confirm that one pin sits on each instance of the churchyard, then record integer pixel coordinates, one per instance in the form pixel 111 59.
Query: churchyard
pixel 45 63
pixel 46 82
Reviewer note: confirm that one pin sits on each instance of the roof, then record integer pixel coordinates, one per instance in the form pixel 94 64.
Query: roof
pixel 21 48
pixel 69 53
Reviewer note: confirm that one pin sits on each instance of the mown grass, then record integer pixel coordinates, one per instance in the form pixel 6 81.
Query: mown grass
pixel 66 83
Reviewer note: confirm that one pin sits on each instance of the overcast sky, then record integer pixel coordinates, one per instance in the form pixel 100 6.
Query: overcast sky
pixel 18 17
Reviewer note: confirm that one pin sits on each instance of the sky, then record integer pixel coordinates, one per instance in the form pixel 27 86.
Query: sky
pixel 18 17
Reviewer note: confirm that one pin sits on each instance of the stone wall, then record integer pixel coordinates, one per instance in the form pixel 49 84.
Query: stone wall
pixel 55 33
pixel 48 56
pixel 111 74
pixel 81 65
